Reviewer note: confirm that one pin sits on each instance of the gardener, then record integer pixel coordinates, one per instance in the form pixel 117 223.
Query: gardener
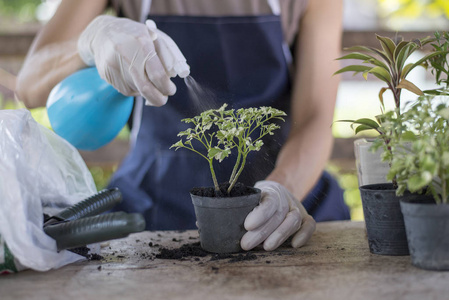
pixel 240 51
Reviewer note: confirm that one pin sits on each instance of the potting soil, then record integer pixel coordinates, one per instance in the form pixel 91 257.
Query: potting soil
pixel 194 250
pixel 239 189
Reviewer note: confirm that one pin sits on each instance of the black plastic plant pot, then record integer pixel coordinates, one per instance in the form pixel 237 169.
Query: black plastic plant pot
pixel 427 227
pixel 384 220
pixel 220 220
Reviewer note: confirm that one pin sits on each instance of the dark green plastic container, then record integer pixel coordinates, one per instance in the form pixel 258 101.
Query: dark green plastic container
pixel 220 220
pixel 427 227
pixel 384 220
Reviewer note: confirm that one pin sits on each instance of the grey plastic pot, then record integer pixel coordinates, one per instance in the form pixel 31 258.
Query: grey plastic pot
pixel 384 220
pixel 220 220
pixel 427 227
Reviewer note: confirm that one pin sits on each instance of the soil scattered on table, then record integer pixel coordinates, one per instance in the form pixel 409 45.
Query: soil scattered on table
pixel 183 252
pixel 194 250
pixel 84 251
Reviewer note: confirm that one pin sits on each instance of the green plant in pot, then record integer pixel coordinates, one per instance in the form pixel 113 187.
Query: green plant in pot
pixel 215 134
pixel 388 63
pixel 383 217
pixel 420 165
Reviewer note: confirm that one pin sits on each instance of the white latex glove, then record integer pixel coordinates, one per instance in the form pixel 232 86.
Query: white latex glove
pixel 278 216
pixel 136 59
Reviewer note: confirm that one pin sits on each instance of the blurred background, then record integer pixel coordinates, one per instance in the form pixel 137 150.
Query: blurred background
pixel 20 20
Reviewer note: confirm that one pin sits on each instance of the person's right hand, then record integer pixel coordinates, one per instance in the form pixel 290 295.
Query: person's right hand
pixel 136 59
pixel 278 216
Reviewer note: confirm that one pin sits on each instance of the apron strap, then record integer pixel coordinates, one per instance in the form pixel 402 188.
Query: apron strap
pixel 275 7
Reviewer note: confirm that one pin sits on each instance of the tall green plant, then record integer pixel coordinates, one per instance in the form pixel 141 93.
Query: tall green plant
pixel 388 63
pixel 219 131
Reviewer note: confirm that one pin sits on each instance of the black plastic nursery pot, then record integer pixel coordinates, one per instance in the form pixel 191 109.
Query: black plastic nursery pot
pixel 384 220
pixel 220 220
pixel 427 227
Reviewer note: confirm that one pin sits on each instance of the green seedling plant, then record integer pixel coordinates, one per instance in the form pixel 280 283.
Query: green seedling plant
pixel 421 152
pixel 216 133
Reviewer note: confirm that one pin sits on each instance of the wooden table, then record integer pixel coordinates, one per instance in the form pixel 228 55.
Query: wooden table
pixel 335 264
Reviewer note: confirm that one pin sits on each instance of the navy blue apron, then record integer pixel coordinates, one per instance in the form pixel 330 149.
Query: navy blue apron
pixel 241 60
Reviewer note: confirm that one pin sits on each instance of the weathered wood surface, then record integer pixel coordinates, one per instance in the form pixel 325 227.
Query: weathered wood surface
pixel 336 264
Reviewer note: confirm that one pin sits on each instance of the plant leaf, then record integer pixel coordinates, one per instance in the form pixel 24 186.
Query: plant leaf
pixel 381 73
pixel 436 92
pixel 363 121
pixel 368 122
pixel 388 46
pixel 361 128
pixel 422 60
pixel 406 70
pixel 399 48
pixel 368 49
pixel 177 145
pixel 405 84
pixel 354 68
pixel 365 58
pixel 356 55
pixel 212 152
pixel 404 54
pixel 409 136
pixel 419 181
pixel 381 96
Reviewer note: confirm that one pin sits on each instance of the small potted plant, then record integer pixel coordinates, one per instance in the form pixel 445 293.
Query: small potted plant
pixel 420 165
pixel 383 217
pixel 215 134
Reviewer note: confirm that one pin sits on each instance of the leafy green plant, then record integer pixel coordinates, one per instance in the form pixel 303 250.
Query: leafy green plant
pixel 219 131
pixel 389 64
pixel 421 152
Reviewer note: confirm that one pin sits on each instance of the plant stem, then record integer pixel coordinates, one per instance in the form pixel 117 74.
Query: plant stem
pixel 387 144
pixel 237 162
pixel 234 181
pixel 214 178
pixel 397 99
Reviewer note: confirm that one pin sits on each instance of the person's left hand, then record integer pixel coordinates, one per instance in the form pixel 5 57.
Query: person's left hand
pixel 278 216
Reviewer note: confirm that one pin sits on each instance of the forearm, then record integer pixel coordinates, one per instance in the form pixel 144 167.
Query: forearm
pixel 304 157
pixel 53 54
pixel 307 150
pixel 43 69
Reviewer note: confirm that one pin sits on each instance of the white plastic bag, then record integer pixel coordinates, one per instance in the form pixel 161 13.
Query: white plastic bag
pixel 39 173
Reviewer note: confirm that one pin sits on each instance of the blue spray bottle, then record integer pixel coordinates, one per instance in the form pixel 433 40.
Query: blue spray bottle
pixel 87 111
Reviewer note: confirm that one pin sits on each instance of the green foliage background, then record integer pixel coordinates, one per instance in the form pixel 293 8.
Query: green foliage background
pixel 20 10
